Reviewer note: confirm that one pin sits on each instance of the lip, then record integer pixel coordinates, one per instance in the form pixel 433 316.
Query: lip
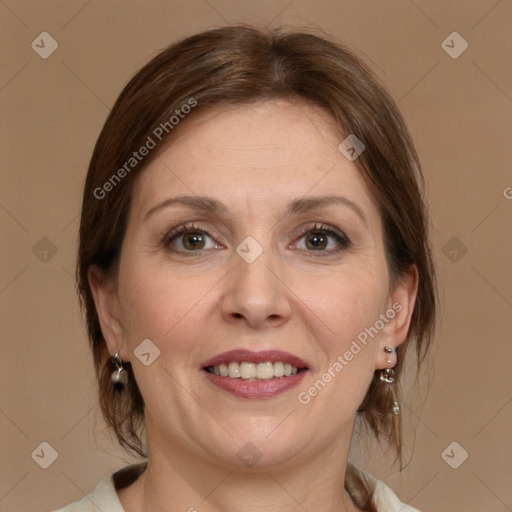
pixel 255 389
pixel 247 356
pixel 243 388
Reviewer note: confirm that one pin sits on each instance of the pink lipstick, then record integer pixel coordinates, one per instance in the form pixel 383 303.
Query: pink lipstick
pixel 255 375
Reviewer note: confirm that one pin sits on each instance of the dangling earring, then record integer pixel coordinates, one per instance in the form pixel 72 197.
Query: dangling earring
pixel 119 376
pixel 388 376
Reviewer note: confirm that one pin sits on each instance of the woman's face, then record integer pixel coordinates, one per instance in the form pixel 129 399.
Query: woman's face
pixel 269 268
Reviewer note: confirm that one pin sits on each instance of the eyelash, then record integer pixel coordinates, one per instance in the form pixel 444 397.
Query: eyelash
pixel 341 238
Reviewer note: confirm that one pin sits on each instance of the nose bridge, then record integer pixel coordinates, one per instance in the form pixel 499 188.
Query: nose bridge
pixel 253 260
pixel 252 265
pixel 256 290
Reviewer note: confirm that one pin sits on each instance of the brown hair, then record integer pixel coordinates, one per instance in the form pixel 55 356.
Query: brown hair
pixel 242 64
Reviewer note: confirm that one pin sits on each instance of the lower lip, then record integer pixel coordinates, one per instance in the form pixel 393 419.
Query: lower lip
pixel 255 389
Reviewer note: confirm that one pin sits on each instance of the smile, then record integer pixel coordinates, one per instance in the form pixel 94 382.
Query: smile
pixel 254 371
pixel 255 375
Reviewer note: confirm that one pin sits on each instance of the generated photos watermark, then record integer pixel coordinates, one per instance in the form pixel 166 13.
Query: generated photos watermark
pixel 152 141
pixel 304 397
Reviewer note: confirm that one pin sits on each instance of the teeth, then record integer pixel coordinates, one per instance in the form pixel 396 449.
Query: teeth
pixel 253 371
pixel 264 370
pixel 279 369
pixel 233 370
pixel 247 370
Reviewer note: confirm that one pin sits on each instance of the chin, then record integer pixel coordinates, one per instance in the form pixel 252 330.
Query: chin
pixel 265 443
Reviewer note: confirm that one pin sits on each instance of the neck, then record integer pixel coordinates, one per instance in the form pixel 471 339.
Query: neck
pixel 178 480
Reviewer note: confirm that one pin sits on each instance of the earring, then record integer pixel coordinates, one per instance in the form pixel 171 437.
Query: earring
pixel 388 376
pixel 119 376
pixel 389 350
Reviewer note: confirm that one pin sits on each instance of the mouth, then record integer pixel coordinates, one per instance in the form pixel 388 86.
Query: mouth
pixel 249 374
pixel 254 371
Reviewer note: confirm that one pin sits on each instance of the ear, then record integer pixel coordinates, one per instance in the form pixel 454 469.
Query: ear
pixel 398 318
pixel 107 308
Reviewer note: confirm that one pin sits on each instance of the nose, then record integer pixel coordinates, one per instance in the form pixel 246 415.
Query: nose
pixel 256 293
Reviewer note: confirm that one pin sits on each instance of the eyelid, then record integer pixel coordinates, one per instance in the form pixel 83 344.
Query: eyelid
pixel 340 236
pixel 182 229
pixel 193 227
pixel 318 226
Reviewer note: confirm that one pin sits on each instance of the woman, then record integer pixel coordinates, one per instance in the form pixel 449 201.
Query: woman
pixel 254 265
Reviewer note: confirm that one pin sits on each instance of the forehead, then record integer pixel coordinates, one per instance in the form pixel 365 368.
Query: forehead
pixel 276 151
pixel 247 135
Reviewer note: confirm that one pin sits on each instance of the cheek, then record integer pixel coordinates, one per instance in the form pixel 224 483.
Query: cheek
pixel 346 304
pixel 157 304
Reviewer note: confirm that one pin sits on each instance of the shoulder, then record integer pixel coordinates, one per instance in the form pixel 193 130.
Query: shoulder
pixel 382 497
pixel 358 482
pixel 104 498
pixel 386 499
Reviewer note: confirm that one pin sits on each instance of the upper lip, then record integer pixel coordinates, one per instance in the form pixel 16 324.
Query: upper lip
pixel 247 356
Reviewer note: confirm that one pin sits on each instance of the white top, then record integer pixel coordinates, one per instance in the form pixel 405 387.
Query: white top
pixel 104 497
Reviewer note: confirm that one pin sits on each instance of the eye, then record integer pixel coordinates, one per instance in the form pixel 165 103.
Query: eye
pixel 194 238
pixel 188 238
pixel 317 239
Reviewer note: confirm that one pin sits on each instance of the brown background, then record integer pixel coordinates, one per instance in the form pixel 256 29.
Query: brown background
pixel 459 112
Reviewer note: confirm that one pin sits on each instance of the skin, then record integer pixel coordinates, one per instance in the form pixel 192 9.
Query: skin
pixel 192 306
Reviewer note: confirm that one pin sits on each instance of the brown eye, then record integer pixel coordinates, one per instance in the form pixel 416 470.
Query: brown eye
pixel 318 238
pixel 316 241
pixel 187 239
pixel 193 241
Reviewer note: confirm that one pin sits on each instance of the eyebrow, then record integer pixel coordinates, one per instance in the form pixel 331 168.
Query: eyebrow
pixel 203 204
